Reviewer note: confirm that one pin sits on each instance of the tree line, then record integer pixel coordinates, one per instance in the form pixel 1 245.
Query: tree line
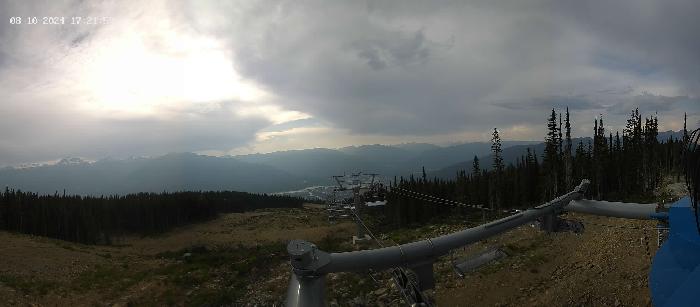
pixel 621 166
pixel 99 220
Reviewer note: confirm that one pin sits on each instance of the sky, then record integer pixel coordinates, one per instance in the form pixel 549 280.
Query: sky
pixel 235 77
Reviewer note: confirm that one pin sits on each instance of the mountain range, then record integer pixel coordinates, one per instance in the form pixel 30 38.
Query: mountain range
pixel 258 173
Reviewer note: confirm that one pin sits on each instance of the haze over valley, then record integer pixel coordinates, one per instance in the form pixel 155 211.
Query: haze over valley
pixel 259 173
pixel 266 173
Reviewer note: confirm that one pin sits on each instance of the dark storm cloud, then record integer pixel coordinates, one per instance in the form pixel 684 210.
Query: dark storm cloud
pixel 417 69
pixel 613 101
pixel 208 131
pixel 649 103
pixel 616 91
pixel 340 64
pixel 659 34
pixel 396 51
pixel 579 102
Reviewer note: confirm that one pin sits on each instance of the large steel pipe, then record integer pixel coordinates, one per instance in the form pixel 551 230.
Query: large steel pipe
pixel 427 250
pixel 613 209
pixel 306 291
pixel 310 265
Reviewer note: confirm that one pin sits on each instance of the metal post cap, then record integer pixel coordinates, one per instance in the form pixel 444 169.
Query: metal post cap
pixel 301 253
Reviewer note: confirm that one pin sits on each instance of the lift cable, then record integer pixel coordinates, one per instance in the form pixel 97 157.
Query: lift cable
pixel 406 286
pixel 433 199
pixel 362 223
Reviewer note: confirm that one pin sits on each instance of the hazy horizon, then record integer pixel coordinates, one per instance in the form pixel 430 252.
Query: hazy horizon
pixel 204 153
pixel 218 154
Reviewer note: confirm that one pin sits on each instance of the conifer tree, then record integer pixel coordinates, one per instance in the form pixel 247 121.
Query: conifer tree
pixel 600 160
pixel 476 169
pixel 686 138
pixel 568 174
pixel 632 142
pixel 496 185
pixel 551 157
pixel 497 152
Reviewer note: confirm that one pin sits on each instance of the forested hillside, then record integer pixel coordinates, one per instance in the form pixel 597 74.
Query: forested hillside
pixel 97 220
pixel 627 165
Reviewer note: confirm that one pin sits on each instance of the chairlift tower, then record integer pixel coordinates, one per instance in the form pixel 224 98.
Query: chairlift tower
pixel 357 208
pixel 335 202
pixel 358 184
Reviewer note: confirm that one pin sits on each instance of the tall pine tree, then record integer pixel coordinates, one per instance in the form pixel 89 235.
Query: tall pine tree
pixel 568 172
pixel 498 167
pixel 476 169
pixel 550 160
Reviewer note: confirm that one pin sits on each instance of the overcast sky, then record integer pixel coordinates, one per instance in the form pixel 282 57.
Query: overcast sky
pixel 227 77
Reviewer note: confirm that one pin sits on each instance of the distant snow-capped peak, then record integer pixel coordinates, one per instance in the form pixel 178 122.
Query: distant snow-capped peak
pixel 73 161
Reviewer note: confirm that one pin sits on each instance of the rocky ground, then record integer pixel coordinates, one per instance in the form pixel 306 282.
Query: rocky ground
pixel 604 266
pixel 240 259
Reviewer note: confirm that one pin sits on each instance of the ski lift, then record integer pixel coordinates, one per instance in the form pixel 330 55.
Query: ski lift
pixel 376 196
pixel 375 203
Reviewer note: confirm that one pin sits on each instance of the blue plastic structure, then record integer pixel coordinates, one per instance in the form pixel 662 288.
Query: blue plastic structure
pixel 674 279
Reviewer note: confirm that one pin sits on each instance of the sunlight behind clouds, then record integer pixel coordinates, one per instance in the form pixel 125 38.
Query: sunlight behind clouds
pixel 135 74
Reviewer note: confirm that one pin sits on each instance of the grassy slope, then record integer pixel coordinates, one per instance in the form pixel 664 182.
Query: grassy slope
pixel 241 258
pixel 236 258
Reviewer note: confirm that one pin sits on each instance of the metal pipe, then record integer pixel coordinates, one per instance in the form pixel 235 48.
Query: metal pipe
pixel 306 291
pixel 427 250
pixel 310 265
pixel 613 209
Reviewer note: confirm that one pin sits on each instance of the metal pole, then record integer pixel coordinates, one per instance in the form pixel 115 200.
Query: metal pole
pixel 308 261
pixel 305 288
pixel 613 209
pixel 357 201
pixel 306 291
pixel 426 251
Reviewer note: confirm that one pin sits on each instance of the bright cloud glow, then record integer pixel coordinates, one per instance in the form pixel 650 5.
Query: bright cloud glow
pixel 272 112
pixel 125 74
